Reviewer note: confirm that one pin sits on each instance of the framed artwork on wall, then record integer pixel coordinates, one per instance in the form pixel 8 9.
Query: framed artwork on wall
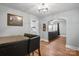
pixel 14 20
pixel 44 27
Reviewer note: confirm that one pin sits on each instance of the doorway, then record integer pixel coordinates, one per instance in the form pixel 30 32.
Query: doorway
pixel 56 28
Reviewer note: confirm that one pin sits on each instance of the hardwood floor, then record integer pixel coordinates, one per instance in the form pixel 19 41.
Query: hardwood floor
pixel 56 48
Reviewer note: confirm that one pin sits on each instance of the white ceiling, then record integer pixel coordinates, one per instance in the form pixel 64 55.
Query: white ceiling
pixel 32 8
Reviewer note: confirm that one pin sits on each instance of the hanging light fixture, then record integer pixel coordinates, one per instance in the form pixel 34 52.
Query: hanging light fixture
pixel 43 8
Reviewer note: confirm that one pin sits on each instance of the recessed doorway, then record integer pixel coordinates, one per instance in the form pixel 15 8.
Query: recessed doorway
pixel 56 28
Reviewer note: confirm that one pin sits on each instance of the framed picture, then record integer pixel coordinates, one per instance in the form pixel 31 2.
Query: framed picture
pixel 44 27
pixel 14 20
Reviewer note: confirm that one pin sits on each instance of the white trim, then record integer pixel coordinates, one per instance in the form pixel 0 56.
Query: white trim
pixel 63 35
pixel 46 40
pixel 72 47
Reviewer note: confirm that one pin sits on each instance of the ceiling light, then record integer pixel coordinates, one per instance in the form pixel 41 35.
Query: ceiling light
pixel 43 8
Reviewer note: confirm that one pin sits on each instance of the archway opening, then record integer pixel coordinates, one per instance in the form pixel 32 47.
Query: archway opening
pixel 56 28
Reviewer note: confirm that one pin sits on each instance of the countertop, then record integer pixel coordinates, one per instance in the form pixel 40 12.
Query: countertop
pixel 10 39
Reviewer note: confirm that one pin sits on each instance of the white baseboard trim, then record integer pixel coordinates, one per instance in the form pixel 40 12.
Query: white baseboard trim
pixel 63 35
pixel 72 47
pixel 44 40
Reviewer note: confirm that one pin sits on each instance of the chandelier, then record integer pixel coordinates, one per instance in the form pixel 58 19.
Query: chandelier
pixel 43 8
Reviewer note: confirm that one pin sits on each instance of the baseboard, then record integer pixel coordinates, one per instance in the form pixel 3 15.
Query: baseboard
pixel 63 35
pixel 44 40
pixel 72 47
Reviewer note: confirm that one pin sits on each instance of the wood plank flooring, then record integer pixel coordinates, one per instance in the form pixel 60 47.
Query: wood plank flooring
pixel 56 48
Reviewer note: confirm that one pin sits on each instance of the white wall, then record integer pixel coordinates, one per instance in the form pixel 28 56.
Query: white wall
pixel 34 26
pixel 62 28
pixel 14 30
pixel 72 26
pixel 43 34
